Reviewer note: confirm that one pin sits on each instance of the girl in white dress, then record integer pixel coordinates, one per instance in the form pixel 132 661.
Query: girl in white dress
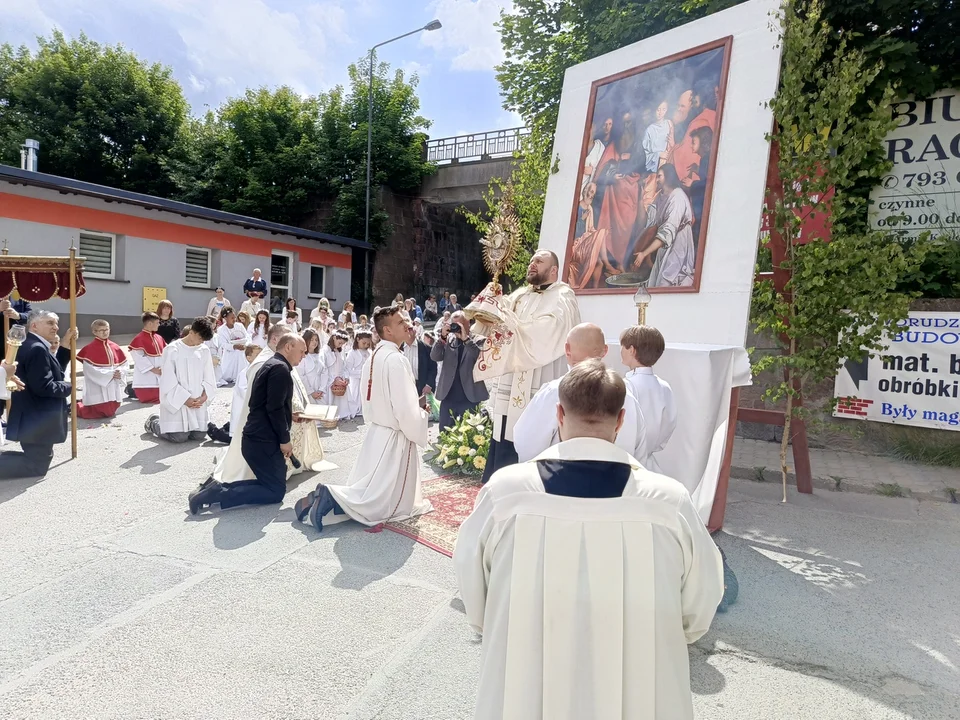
pixel 333 370
pixel 259 328
pixel 354 366
pixel 310 367
pixel 232 338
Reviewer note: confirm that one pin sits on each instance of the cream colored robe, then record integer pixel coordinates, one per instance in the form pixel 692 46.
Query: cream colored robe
pixel 231 465
pixel 586 606
pixel 526 351
pixel 385 481
pixel 187 373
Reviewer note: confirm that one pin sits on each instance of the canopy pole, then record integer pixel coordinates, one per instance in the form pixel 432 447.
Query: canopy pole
pixel 6 329
pixel 73 349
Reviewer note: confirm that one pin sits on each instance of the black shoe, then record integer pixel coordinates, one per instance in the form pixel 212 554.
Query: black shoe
pixel 731 586
pixel 303 505
pixel 207 494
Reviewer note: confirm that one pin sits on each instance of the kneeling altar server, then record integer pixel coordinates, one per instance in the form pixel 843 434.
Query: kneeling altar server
pixel 385 481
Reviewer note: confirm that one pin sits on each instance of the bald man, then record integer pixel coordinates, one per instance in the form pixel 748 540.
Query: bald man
pixel 538 429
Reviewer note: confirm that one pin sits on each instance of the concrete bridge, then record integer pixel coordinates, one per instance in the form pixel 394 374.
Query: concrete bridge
pixel 467 163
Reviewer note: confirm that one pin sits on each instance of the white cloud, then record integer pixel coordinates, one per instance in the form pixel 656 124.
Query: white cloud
pixel 413 67
pixel 29 14
pixel 468 32
pixel 248 39
pixel 509 119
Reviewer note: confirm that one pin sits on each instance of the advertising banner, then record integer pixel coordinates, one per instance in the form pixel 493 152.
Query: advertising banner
pixel 914 381
pixel 922 191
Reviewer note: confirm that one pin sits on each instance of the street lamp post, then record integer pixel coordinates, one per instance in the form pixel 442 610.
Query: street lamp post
pixel 432 25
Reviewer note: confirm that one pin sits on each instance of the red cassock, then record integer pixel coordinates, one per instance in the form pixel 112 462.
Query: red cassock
pixel 683 154
pixel 152 346
pixel 101 354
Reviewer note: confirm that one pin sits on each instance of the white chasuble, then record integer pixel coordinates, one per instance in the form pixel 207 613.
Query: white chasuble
pixel 526 351
pixel 385 481
pixel 231 465
pixel 586 606
pixel 187 373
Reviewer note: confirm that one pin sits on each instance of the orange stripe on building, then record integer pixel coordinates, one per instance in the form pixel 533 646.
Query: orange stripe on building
pixel 49 212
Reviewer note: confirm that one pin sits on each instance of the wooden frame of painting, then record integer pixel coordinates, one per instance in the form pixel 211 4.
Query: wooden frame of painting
pixel 627 218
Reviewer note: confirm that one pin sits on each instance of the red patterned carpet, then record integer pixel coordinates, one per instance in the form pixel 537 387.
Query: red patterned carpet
pixel 453 497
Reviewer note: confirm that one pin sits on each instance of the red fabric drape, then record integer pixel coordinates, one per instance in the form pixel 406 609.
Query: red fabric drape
pixel 39 285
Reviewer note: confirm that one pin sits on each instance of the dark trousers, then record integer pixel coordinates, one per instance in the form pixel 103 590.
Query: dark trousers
pixel 501 453
pixel 452 410
pixel 267 463
pixel 34 461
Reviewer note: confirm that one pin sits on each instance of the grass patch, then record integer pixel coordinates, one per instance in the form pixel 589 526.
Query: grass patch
pixel 952 494
pixel 758 474
pixel 837 481
pixel 927 452
pixel 890 490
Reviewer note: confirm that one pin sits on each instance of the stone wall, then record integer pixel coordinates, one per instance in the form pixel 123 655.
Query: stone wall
pixel 432 249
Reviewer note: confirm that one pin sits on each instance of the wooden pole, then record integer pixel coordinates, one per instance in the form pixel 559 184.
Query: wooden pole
pixel 73 349
pixel 6 329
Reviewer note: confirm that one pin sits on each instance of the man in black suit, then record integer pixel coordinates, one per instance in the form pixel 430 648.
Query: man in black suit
pixel 38 413
pixel 266 436
pixel 456 389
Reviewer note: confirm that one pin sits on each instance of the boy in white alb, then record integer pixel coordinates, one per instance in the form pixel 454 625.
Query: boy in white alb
pixel 640 348
pixel 186 386
pixel 104 374
pixel 147 349
pixel 224 433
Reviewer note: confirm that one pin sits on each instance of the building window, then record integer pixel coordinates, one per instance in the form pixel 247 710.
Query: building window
pixel 198 267
pixel 318 278
pixel 100 251
pixel 281 280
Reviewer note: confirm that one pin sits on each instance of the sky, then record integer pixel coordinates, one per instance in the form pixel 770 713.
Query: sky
pixel 218 48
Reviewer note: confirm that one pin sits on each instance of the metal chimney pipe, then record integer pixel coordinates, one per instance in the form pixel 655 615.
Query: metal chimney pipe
pixel 29 154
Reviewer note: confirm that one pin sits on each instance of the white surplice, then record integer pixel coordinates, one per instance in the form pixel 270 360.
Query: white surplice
pixel 526 351
pixel 213 345
pixel 586 606
pixel 231 466
pixel 655 398
pixel 100 385
pixel 187 373
pixel 385 481
pixel 232 360
pixel 353 366
pixel 537 429
pixel 238 399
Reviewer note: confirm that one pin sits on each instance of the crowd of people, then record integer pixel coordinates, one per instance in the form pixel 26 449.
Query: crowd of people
pixel 565 428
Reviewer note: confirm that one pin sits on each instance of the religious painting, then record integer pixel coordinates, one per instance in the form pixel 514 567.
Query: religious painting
pixel 646 175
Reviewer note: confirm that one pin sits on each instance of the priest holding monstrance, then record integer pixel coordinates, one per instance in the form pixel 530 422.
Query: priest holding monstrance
pixel 526 331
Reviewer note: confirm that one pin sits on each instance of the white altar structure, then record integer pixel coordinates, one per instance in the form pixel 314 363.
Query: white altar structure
pixel 706 330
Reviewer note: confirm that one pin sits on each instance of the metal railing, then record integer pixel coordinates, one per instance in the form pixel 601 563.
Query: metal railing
pixel 477 147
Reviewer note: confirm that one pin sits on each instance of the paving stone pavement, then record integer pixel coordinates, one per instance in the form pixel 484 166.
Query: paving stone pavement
pixel 856 471
pixel 115 603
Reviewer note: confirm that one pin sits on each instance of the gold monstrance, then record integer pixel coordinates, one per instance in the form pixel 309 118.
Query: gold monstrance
pixel 499 247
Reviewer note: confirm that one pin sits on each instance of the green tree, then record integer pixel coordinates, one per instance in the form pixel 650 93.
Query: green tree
pixel 101 114
pixel 840 298
pixel 261 155
pixel 398 158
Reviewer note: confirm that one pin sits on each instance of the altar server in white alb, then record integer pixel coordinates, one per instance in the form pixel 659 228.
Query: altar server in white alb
pixel 526 351
pixel 231 466
pixel 385 481
pixel 537 428
pixel 186 386
pixel 586 574
pixel 640 348
pixel 233 339
pixel 104 374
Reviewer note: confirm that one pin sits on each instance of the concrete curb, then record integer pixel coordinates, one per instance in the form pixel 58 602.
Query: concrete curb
pixel 849 485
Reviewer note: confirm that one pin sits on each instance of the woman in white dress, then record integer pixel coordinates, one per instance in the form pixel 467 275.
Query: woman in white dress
pixel 233 340
pixel 309 368
pixel 259 328
pixel 354 366
pixel 333 370
pixel 322 310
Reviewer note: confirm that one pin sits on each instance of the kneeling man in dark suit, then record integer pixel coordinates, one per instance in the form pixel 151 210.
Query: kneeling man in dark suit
pixel 38 413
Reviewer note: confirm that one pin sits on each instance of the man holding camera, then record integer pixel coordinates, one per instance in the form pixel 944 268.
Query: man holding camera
pixel 458 352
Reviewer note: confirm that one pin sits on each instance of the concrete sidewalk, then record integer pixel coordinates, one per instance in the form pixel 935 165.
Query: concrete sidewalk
pixel 855 472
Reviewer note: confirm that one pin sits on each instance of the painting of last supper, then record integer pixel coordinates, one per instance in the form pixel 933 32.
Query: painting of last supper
pixel 646 175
